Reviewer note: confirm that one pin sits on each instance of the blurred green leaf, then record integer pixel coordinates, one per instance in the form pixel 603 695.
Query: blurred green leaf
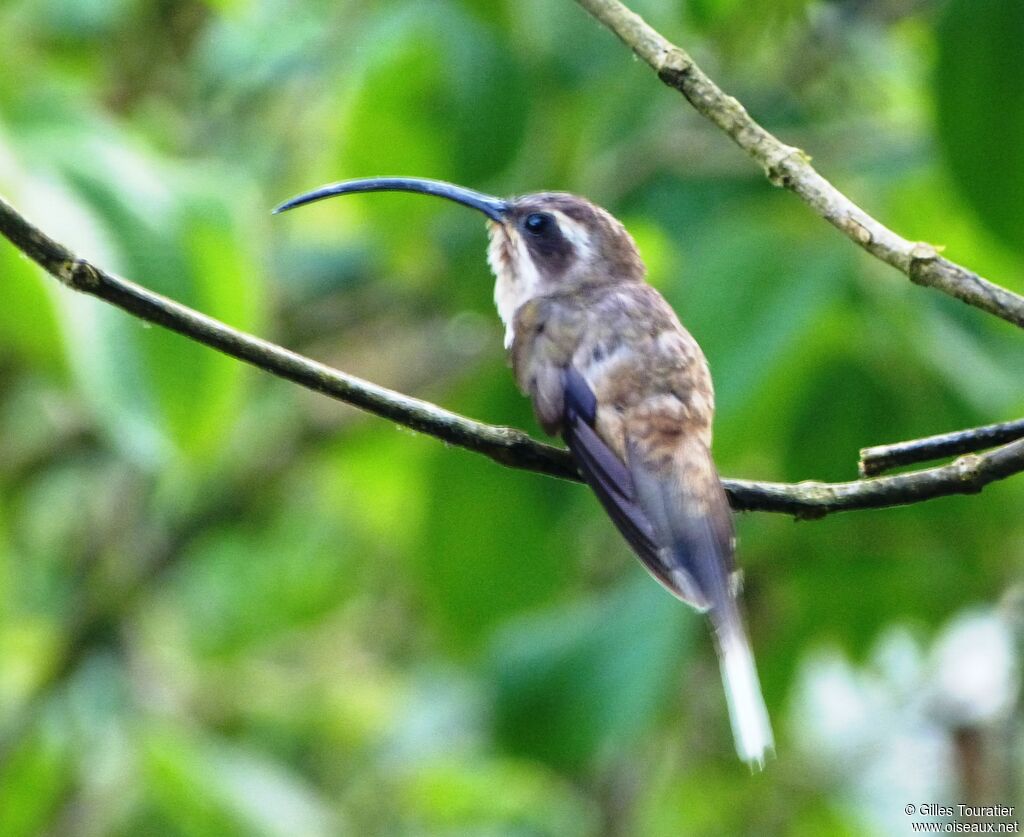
pixel 433 65
pixel 736 24
pixel 33 782
pixel 494 797
pixel 28 323
pixel 583 679
pixel 494 542
pixel 207 788
pixel 232 602
pixel 979 101
pixel 83 19
pixel 158 391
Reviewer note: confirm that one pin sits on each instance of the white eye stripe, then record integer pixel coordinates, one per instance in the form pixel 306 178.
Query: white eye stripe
pixel 574 232
pixel 519 278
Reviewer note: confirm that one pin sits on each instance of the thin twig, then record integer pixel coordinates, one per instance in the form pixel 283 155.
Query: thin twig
pixel 791 168
pixel 504 445
pixel 881 458
pixel 967 475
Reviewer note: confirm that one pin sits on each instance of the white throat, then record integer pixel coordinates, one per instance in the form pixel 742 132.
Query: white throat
pixel 516 277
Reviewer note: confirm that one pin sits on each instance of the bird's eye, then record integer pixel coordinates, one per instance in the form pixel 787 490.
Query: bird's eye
pixel 538 223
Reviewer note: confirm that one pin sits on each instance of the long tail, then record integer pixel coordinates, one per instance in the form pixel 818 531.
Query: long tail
pixel 679 523
pixel 751 728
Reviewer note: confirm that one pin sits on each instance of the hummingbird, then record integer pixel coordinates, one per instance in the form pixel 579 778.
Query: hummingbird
pixel 609 368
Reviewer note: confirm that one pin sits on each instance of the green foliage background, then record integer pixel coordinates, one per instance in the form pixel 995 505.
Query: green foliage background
pixel 228 606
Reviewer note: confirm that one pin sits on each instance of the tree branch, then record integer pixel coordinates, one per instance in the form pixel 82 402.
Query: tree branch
pixel 966 475
pixel 881 458
pixel 505 445
pixel 790 167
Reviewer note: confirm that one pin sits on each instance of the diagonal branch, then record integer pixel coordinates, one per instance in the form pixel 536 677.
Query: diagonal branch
pixel 504 445
pixel 881 458
pixel 789 167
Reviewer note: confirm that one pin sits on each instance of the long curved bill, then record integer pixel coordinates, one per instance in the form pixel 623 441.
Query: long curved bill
pixel 493 208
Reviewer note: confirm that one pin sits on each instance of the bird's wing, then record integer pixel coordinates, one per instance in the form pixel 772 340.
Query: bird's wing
pixel 689 512
pixel 613 483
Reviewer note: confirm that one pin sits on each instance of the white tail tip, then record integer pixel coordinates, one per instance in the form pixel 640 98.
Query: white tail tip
pixel 750 725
